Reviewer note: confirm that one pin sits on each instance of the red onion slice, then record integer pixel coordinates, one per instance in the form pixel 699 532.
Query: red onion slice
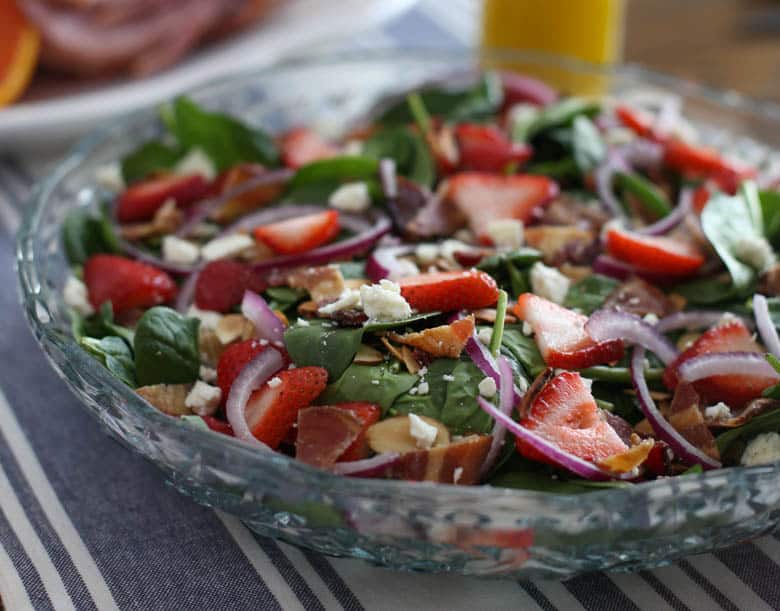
pixel 609 266
pixel 205 208
pixel 267 324
pixel 766 327
pixel 368 467
pixel 506 403
pixel 186 293
pixel 338 250
pixel 692 320
pixel 605 325
pixel 570 462
pixel 747 364
pixel 687 452
pixel 671 220
pixel 384 263
pixel 256 373
pixel 604 175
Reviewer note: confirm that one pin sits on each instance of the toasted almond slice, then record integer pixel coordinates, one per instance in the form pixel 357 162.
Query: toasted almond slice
pixel 166 220
pixel 408 358
pixel 168 398
pixel 209 345
pixel 489 315
pixel 324 283
pixel 366 355
pixel 394 435
pixel 233 327
pixel 552 240
pixel 396 352
pixel 575 272
pixel 628 460
pixel 643 428
pixel 308 309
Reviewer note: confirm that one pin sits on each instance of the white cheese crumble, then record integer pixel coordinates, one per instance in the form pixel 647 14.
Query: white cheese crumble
pixel 549 283
pixel 484 335
pixel 274 382
pixel 302 322
pixel 351 197
pixel 457 473
pixel 447 377
pixel 176 250
pixel 227 246
pixel 727 318
pixel 651 318
pixel 755 251
pixel 427 253
pixel 719 411
pixel 207 374
pixel 203 399
pixel 423 388
pixel 527 328
pixel 75 295
pixel 352 148
pixel 196 162
pixel 109 176
pixel 349 298
pixel 384 302
pixel 208 318
pixel 506 233
pixel 487 388
pixel 763 449
pixel 450 247
pixel 424 433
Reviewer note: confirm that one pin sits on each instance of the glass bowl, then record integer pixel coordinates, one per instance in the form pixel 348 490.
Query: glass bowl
pixel 412 526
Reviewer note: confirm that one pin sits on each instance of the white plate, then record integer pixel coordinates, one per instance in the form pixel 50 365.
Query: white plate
pixel 54 122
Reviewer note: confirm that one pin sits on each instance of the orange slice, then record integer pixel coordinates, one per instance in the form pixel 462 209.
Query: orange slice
pixel 19 47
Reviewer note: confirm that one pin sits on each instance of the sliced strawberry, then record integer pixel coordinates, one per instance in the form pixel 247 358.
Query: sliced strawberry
pixel 303 145
pixel 127 284
pixel 483 197
pixel 733 390
pixel 367 414
pixel 448 291
pixel 273 409
pixel 658 255
pixel 565 413
pixel 140 201
pixel 701 196
pixel 637 121
pixel 700 162
pixel 561 337
pixel 300 234
pixel 234 359
pixel 325 433
pixel 221 285
pixel 485 148
pixel 217 425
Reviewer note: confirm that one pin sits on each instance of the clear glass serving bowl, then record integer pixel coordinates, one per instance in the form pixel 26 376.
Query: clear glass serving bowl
pixel 412 526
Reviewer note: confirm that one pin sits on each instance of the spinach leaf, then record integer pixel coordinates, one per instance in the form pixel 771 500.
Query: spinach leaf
pixel 510 269
pixel 619 375
pixel 710 291
pixel 85 234
pixel 322 345
pixel 559 114
pixel 99 325
pixel 472 104
pixel 411 154
pixel 764 423
pixel 227 141
pixel 150 157
pixel 773 392
pixel 726 221
pixel 166 348
pixel 621 404
pixel 588 147
pixel 115 355
pixel 429 405
pixel 770 211
pixel 377 326
pixel 653 200
pixel 590 293
pixel 381 384
pixel 283 297
pixel 558 169
pixel 315 181
pixel 521 348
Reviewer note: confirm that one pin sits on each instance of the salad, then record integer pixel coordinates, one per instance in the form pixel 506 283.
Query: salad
pixel 493 283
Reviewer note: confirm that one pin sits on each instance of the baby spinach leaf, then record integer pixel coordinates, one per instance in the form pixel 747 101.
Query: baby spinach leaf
pixel 710 291
pixel 226 140
pixel 150 157
pixel 431 404
pixel 315 181
pixel 283 297
pixel 588 147
pixel 100 325
pixel 653 200
pixel 559 114
pixel 619 375
pixel 590 293
pixel 770 211
pixel 725 221
pixel 765 423
pixel 521 348
pixel 166 348
pixel 509 269
pixel 471 104
pixel 558 169
pixel 377 326
pixel 85 234
pixel 115 355
pixel 381 384
pixel 322 345
pixel 412 157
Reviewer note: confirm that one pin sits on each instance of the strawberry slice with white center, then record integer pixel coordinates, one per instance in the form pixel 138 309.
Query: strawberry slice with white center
pixel 297 235
pixel 273 409
pixel 483 197
pixel 734 390
pixel 655 255
pixel 565 413
pixel 561 336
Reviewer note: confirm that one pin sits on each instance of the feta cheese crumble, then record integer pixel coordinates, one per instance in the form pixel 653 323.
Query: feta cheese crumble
pixel 176 250
pixel 274 382
pixel 350 197
pixel 755 251
pixel 650 318
pixel 763 449
pixel 427 253
pixel 506 233
pixel 75 295
pixel 208 318
pixel 487 388
pixel 423 433
pixel 719 411
pixel 203 399
pixel 383 302
pixel 196 162
pixel 457 473
pixel 549 283
pixel 227 246
pixel 423 388
pixel 109 176
pixel 350 298
pixel 484 335
pixel 448 377
pixel 207 374
pixel 527 328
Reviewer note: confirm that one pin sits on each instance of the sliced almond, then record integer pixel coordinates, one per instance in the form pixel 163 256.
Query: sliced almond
pixel 575 272
pixel 489 315
pixel 308 309
pixel 554 240
pixel 233 327
pixel 168 398
pixel 395 351
pixel 366 355
pixel 166 220
pixel 324 283
pixel 393 435
pixel 644 428
pixel 408 358
pixel 630 459
pixel 209 345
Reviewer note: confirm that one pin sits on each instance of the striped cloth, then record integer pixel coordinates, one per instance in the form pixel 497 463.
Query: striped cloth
pixel 85 524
